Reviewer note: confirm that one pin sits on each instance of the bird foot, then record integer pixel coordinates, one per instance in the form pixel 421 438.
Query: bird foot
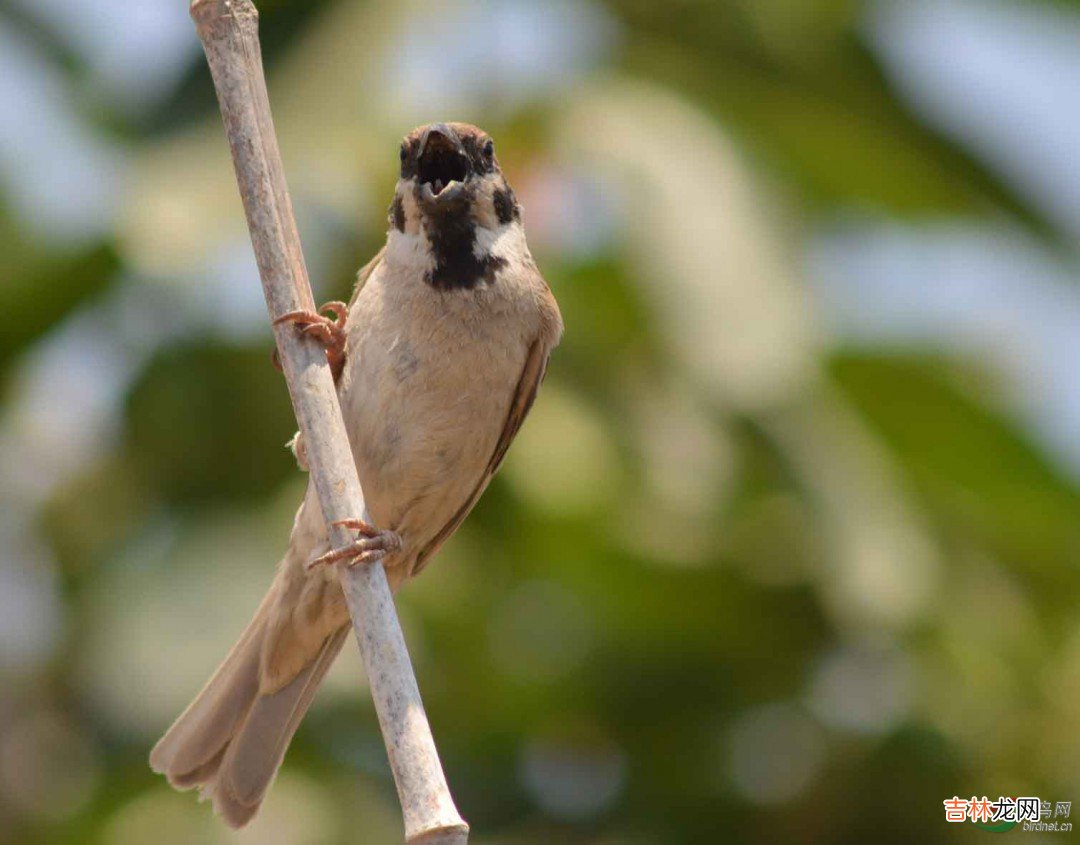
pixel 329 332
pixel 372 545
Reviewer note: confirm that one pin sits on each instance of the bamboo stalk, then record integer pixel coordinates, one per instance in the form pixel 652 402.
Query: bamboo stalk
pixel 229 33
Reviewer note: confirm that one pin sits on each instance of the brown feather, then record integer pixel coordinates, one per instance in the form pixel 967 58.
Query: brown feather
pixel 257 750
pixel 524 396
pixel 198 735
pixel 365 274
pixel 232 738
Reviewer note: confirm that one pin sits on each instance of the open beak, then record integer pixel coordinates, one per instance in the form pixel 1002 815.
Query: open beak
pixel 443 165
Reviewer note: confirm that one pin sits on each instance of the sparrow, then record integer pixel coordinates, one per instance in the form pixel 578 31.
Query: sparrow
pixel 438 358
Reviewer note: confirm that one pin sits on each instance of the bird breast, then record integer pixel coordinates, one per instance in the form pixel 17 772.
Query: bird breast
pixel 426 391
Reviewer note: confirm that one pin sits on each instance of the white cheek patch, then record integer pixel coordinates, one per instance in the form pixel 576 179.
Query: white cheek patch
pixel 412 212
pixel 506 241
pixel 484 206
pixel 409 251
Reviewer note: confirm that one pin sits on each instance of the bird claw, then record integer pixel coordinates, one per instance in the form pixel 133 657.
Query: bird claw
pixel 372 545
pixel 329 332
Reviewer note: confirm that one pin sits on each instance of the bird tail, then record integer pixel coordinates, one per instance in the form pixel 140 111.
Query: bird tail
pixel 231 739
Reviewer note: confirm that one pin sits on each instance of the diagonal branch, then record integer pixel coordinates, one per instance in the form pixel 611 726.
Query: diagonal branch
pixel 229 32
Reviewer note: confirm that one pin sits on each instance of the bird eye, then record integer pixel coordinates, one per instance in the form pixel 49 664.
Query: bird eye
pixel 404 154
pixel 489 148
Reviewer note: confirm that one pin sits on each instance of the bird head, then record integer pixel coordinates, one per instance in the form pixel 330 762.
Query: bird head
pixel 451 186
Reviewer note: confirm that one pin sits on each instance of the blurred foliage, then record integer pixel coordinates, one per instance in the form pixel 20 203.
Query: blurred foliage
pixel 38 289
pixel 663 577
pixel 795 84
pixel 237 419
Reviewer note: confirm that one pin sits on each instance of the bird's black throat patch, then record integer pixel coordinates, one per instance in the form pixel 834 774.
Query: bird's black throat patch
pixel 506 206
pixel 397 214
pixel 452 235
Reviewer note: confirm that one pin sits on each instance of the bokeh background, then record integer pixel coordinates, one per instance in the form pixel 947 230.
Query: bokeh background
pixel 788 549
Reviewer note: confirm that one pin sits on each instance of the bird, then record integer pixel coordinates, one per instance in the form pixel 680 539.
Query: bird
pixel 437 359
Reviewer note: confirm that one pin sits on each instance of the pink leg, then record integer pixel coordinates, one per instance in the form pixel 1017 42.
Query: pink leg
pixel 329 332
pixel 372 545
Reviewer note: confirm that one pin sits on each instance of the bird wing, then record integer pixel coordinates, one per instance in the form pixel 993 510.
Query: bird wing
pixel 524 395
pixel 365 274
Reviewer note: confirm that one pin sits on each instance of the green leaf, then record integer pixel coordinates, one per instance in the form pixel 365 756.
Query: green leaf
pixel 210 422
pixel 974 467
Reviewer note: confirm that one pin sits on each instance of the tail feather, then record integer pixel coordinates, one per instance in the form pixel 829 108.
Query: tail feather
pixel 205 727
pixel 200 775
pixel 257 749
pixel 232 738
